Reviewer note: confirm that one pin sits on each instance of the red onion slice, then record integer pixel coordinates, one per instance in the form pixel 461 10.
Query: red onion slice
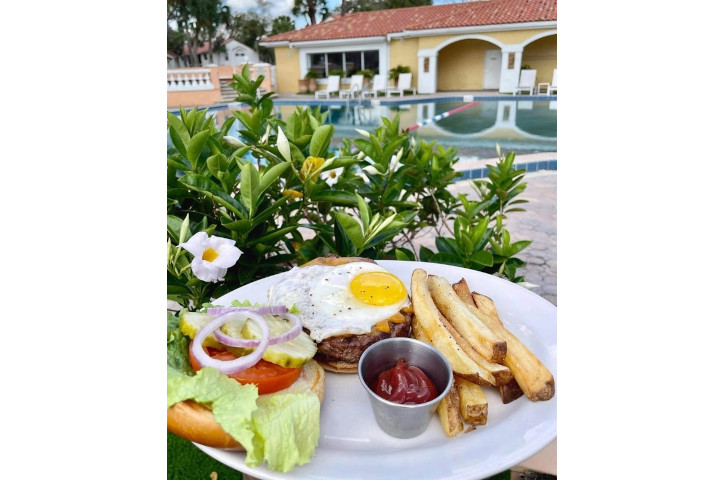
pixel 247 342
pixel 271 310
pixel 241 363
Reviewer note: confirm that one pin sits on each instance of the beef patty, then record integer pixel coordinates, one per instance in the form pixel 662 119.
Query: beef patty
pixel 349 348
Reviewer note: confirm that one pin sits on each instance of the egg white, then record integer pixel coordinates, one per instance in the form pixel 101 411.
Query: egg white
pixel 326 305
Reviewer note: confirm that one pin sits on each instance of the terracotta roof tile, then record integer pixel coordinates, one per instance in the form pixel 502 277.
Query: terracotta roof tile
pixel 383 22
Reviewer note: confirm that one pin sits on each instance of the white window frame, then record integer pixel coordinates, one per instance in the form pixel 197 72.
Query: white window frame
pixel 335 47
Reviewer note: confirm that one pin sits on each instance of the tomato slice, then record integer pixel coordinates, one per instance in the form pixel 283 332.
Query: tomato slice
pixel 267 376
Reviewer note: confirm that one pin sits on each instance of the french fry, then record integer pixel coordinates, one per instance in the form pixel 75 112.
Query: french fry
pixel 449 412
pixel 463 370
pixel 463 292
pixel 429 320
pixel 485 304
pixel 485 341
pixel 473 402
pixel 532 376
pixel 510 391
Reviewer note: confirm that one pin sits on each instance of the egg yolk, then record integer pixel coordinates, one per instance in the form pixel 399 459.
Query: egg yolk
pixel 378 288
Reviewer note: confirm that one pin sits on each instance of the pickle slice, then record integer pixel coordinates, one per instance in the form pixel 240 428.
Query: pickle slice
pixel 192 322
pixel 292 353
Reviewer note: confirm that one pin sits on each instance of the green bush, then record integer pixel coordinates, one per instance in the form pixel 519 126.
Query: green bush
pixel 397 70
pixel 283 196
pixel 367 73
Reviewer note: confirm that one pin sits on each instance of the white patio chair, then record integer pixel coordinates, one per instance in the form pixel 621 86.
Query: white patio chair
pixel 379 84
pixel 404 83
pixel 547 86
pixel 333 86
pixel 356 85
pixel 554 88
pixel 527 81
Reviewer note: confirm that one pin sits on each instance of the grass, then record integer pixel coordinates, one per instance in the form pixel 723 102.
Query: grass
pixel 186 462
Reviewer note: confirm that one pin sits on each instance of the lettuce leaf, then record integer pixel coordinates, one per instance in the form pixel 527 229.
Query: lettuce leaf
pixel 231 402
pixel 287 427
pixel 177 346
pixel 281 429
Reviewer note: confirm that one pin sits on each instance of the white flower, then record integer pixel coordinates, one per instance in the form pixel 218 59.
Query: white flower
pixel 263 140
pixel 212 256
pixel 332 176
pixel 370 170
pixel 233 141
pixel 363 133
pixel 283 145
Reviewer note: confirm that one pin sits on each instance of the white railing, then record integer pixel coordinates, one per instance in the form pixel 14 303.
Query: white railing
pixel 186 80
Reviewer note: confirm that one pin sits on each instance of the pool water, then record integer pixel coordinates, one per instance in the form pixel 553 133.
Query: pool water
pixel 521 126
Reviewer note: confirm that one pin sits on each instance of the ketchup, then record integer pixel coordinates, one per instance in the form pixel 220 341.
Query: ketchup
pixel 405 384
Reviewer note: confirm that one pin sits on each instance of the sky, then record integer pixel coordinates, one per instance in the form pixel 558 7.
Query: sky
pixel 276 8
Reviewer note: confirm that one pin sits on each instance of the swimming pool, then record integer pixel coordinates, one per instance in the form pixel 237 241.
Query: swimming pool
pixel 522 125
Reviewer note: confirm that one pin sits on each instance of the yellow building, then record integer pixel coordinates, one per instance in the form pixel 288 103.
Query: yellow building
pixel 463 46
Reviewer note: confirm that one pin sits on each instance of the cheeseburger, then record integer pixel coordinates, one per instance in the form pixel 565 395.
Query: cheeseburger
pixel 345 305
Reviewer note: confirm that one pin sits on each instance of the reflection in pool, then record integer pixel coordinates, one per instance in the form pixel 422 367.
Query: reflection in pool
pixel 519 125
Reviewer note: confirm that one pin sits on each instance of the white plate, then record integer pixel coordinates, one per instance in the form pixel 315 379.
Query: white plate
pixel 352 446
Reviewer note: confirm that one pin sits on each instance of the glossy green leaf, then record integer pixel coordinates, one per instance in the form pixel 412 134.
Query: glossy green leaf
pixel 203 185
pixel 351 228
pixel 447 258
pixel 216 164
pixel 240 226
pixel 271 175
pixel 404 255
pixel 273 236
pixel 321 140
pixel 170 162
pixel 482 259
pixel 364 212
pixel 516 247
pixel 336 197
pixel 425 254
pixel 179 130
pixel 196 144
pixel 268 212
pixel 366 147
pixel 248 186
pixel 446 245
pixel 173 227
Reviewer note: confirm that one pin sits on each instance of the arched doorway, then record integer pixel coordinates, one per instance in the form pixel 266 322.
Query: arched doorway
pixel 469 64
pixel 540 54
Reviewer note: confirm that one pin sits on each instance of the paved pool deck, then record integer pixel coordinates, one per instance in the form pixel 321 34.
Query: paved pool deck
pixel 538 224
pixel 459 95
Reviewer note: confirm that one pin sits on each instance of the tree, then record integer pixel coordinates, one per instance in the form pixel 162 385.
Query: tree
pixel 196 20
pixel 310 9
pixel 174 41
pixel 282 24
pixel 350 6
pixel 247 28
pixel 213 14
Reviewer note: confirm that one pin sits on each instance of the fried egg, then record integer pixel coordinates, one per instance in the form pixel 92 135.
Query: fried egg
pixel 339 300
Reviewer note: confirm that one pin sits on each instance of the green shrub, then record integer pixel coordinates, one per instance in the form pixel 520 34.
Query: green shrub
pixel 283 196
pixel 367 73
pixel 397 70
